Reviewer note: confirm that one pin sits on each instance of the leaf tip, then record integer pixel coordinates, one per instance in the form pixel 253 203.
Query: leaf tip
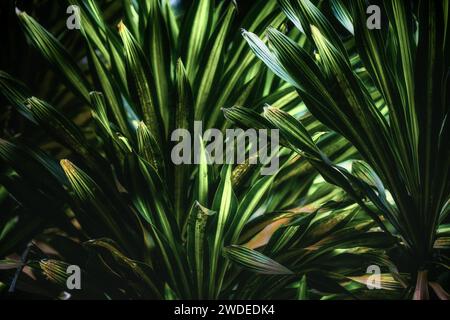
pixel 95 93
pixel 141 125
pixel 19 12
pixel 267 108
pixel 121 26
pixel 67 166
pixel 315 31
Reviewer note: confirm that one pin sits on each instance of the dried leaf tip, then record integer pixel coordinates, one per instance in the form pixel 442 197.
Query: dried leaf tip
pixel 180 64
pixel 67 166
pixel 235 4
pixel 121 26
pixel 142 125
pixel 29 102
pixel 267 108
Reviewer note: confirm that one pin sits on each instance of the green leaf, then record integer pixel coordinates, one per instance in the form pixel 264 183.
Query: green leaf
pixel 184 119
pixel 224 204
pixel 255 261
pixel 16 93
pixel 204 174
pixel 343 15
pixel 56 54
pixel 248 205
pixel 157 44
pixel 294 132
pixel 303 289
pixel 262 52
pixel 58 125
pixel 246 118
pixel 195 31
pixel 94 201
pixel 148 148
pixel 304 14
pixel 196 242
pixel 140 82
pixel 111 91
pixel 212 63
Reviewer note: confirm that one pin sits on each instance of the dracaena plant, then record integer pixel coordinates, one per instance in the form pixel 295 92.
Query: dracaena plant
pixel 387 92
pixel 111 200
